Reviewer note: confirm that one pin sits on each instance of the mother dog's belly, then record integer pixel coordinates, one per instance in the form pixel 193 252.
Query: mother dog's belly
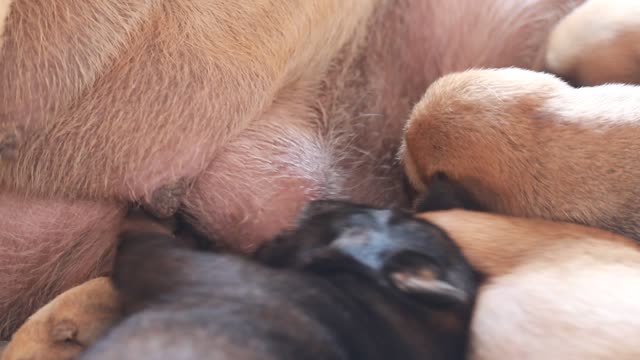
pixel 258 181
pixel 339 137
pixel 178 98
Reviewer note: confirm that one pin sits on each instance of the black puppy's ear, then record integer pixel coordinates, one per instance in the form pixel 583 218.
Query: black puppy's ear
pixel 444 193
pixel 422 279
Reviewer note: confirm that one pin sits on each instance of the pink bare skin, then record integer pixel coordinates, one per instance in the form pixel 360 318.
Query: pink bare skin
pixel 235 115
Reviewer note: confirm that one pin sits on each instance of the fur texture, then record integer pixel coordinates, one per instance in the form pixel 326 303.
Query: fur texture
pixel 256 107
pixel 308 294
pixel 5 6
pixel 554 290
pixel 76 318
pixel 525 143
pixel 49 246
pixel 597 43
pixel 65 326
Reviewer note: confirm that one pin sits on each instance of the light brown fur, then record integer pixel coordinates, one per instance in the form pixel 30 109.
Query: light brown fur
pixel 597 43
pixel 527 144
pixel 76 318
pixel 35 265
pixel 553 290
pixel 255 107
pixel 5 7
pixel 251 51
pixel 66 325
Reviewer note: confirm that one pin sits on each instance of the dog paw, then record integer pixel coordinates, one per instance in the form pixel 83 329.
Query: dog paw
pixel 468 124
pixel 63 328
pixel 597 43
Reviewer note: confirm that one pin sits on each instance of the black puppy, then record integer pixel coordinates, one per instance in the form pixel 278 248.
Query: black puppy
pixel 349 282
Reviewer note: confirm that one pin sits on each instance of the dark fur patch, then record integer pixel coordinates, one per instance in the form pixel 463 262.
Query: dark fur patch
pixel 444 194
pixel 323 290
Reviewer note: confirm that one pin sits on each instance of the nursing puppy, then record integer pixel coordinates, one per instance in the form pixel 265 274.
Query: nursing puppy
pixel 527 144
pixel 597 43
pixel 552 291
pixel 235 113
pixel 349 282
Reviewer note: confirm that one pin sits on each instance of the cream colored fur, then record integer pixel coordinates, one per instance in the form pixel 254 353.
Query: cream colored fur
pixel 5 6
pixel 526 143
pixel 554 290
pixel 598 42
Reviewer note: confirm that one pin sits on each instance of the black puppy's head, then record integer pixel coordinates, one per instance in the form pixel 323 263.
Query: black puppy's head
pixel 392 248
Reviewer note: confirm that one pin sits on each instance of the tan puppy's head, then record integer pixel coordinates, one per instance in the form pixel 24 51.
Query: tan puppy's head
pixel 526 143
pixel 597 43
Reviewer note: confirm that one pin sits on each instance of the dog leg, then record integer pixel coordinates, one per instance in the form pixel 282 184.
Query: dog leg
pixel 76 318
pixel 526 144
pixel 68 324
pixel 552 291
pixel 597 43
pixel 496 244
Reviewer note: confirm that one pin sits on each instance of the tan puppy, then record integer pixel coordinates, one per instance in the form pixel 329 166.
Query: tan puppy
pixel 598 42
pixel 525 143
pixel 553 290
pixel 65 326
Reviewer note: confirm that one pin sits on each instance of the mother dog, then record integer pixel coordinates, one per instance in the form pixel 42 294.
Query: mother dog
pixel 233 113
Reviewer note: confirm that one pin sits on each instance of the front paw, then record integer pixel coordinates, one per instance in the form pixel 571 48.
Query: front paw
pixel 63 328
